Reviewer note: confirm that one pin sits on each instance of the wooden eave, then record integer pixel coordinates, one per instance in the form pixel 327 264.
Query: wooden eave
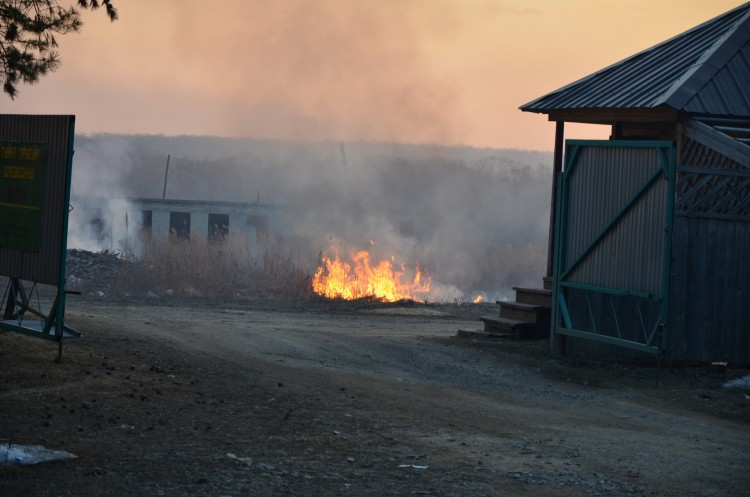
pixel 661 114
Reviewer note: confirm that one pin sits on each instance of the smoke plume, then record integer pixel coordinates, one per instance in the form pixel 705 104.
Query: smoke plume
pixel 475 219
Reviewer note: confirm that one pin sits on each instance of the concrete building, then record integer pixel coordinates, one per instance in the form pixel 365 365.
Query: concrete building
pixel 108 221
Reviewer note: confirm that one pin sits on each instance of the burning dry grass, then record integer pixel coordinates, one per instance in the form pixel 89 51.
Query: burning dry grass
pixel 362 278
pixel 239 267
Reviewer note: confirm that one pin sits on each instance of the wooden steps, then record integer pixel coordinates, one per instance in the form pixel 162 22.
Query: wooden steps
pixel 525 319
pixel 520 311
pixel 535 296
pixel 504 326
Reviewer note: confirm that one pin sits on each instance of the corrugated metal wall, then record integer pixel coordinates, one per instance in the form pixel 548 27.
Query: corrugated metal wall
pixel 56 132
pixel 631 255
pixel 710 301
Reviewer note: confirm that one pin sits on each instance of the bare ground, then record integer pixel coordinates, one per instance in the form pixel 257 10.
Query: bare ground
pixel 171 398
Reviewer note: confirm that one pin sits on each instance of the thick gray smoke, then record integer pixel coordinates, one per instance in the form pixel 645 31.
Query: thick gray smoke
pixel 475 219
pixel 100 192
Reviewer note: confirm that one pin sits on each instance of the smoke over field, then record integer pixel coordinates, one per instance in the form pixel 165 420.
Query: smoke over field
pixel 474 219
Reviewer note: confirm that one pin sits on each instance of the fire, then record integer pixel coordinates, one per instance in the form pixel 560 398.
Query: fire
pixel 360 278
pixel 478 299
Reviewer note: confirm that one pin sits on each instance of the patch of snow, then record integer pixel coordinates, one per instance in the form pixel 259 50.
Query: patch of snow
pixel 12 454
pixel 743 382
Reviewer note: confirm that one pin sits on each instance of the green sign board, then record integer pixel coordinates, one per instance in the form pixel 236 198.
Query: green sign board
pixel 22 174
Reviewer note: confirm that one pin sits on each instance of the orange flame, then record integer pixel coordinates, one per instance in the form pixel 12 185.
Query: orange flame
pixel 337 279
pixel 478 299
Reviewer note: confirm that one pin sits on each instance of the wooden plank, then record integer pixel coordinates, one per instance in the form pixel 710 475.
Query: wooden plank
pixel 718 288
pixel 711 215
pixel 533 296
pixel 738 275
pixel 501 324
pixel 611 116
pixel 743 296
pixel 675 344
pixel 713 171
pixel 707 302
pixel 692 335
pixel 733 292
pixel 648 130
pixel 523 312
pixel 718 141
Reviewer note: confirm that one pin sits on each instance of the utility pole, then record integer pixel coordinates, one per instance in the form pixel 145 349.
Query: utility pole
pixel 166 173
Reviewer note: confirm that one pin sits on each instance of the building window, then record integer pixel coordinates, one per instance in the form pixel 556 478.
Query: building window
pixel 144 230
pixel 179 225
pixel 146 219
pixel 218 227
pixel 260 223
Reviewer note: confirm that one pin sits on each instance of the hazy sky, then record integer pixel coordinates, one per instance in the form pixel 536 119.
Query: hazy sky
pixel 428 71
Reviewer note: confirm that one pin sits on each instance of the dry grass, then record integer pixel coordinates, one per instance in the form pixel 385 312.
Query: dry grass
pixel 242 267
pixel 236 267
pixel 248 267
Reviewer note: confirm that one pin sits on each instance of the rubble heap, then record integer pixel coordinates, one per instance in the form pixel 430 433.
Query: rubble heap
pixel 84 269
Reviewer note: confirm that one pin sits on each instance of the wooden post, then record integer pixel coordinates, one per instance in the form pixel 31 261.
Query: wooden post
pixel 556 170
pixel 557 343
pixel 616 131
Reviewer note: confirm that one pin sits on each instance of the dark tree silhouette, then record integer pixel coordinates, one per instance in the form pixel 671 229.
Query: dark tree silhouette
pixel 27 37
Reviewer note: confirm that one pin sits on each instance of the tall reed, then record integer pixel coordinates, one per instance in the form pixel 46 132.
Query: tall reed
pixel 236 266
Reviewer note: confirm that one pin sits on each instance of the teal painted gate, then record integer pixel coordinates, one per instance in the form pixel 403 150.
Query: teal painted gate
pixel 613 243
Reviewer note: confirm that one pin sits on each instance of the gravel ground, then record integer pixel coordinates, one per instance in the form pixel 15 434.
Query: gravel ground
pixel 169 397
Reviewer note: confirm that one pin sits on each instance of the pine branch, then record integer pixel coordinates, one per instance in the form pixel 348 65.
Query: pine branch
pixel 27 37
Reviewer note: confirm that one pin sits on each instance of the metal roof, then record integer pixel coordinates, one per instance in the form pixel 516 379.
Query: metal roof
pixel 705 70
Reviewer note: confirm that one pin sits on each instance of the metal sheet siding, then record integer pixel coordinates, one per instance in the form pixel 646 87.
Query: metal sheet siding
pixel 56 132
pixel 631 254
pixel 649 78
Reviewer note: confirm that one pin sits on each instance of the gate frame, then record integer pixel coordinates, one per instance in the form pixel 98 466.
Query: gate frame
pixel 561 321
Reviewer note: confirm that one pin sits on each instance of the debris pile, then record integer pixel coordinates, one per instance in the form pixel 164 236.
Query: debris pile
pixel 84 269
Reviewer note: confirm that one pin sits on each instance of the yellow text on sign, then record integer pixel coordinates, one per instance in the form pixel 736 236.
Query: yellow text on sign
pixel 20 153
pixel 18 172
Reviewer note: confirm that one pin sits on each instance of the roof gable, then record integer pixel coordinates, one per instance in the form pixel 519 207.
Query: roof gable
pixel 727 92
pixel 705 70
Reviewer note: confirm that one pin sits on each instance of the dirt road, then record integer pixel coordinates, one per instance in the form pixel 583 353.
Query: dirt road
pixel 182 398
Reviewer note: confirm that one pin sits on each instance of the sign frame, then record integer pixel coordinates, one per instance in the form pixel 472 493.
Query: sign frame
pixel 36 254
